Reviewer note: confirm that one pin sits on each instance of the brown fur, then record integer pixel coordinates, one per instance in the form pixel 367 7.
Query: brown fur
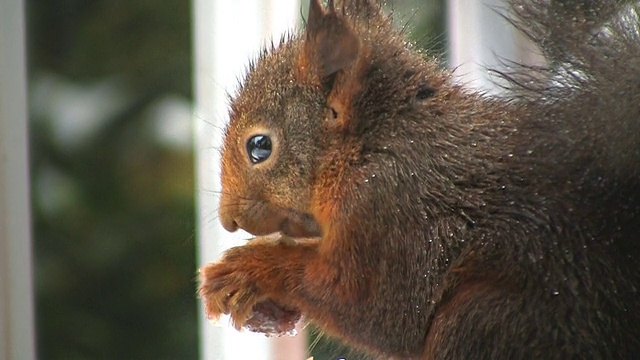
pixel 445 224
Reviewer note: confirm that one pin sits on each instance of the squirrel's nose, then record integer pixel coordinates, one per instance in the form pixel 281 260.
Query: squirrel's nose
pixel 226 219
pixel 226 213
pixel 228 223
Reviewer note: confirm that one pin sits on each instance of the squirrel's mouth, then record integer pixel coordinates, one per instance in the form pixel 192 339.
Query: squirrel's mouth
pixel 299 225
pixel 263 220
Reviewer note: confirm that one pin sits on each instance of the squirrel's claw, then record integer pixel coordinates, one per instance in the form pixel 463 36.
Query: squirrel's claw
pixel 245 285
pixel 226 289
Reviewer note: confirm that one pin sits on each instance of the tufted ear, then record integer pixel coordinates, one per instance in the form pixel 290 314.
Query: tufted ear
pixel 331 45
pixel 335 58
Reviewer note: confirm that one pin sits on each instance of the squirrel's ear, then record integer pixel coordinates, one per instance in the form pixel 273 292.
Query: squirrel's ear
pixel 334 57
pixel 331 45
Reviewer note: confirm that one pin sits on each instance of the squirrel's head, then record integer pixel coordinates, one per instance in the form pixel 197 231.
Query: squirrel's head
pixel 299 116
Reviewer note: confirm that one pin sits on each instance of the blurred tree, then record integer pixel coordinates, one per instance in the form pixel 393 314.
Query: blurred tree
pixel 423 22
pixel 113 210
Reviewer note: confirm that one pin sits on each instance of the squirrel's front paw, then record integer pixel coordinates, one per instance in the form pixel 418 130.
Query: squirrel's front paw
pixel 226 288
pixel 232 286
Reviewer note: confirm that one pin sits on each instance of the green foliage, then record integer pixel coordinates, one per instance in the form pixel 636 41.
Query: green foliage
pixel 113 216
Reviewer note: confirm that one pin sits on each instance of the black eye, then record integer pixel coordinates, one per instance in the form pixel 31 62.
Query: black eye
pixel 259 148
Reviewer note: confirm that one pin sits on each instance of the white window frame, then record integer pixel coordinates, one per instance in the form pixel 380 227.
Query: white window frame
pixel 17 339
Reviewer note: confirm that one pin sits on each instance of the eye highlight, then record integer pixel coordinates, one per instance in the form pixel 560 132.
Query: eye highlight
pixel 259 148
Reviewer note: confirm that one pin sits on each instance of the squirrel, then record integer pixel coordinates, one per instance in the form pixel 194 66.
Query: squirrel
pixel 419 219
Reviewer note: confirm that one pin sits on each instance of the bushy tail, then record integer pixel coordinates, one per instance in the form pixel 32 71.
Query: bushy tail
pixel 591 82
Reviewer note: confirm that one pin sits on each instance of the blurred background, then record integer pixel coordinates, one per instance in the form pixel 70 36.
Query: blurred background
pixel 110 103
